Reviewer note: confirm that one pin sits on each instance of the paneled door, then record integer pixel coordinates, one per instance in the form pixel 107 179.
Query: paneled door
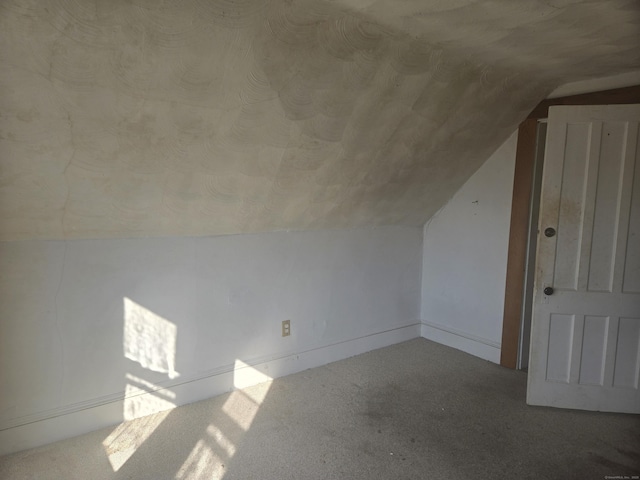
pixel 585 338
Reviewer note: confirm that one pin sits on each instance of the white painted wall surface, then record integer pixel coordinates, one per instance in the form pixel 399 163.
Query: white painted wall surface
pixel 186 311
pixel 465 260
pixel 595 84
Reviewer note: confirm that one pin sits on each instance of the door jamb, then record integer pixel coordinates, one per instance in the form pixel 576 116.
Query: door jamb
pixel 522 185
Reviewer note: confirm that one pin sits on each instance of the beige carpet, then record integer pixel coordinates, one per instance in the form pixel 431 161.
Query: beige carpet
pixel 416 410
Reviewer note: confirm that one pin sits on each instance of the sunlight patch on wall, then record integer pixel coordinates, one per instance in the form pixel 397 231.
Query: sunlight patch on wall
pixel 144 398
pixel 145 407
pixel 149 339
pixel 244 375
pixel 211 455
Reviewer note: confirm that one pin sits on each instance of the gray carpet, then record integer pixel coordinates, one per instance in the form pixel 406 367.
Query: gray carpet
pixel 417 410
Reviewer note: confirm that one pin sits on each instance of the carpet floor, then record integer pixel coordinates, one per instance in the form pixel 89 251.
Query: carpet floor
pixel 416 410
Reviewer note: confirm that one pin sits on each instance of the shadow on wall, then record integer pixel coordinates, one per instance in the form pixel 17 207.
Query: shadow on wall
pixel 207 441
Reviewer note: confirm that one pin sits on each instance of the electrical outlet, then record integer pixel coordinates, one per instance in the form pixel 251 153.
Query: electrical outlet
pixel 286 328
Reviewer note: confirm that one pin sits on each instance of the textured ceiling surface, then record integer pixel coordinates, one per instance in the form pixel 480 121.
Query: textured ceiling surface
pixel 204 117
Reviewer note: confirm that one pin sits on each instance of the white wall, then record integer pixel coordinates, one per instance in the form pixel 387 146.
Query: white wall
pixel 595 84
pixel 465 260
pixel 465 248
pixel 185 311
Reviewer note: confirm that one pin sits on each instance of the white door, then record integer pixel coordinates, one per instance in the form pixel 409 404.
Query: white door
pixel 585 337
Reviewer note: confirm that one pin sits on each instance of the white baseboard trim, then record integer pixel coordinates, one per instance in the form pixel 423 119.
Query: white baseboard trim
pixel 469 343
pixel 71 420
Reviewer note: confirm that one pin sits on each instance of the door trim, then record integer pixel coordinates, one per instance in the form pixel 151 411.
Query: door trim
pixel 522 185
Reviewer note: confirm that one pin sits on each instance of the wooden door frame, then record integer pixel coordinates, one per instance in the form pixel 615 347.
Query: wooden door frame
pixel 522 186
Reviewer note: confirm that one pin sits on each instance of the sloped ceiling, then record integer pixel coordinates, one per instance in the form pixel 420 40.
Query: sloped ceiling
pixel 203 117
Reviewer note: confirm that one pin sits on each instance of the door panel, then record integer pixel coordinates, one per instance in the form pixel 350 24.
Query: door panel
pixel 627 362
pixel 585 342
pixel 631 279
pixel 594 348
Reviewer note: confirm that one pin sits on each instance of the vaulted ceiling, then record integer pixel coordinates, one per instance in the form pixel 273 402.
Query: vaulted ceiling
pixel 204 117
